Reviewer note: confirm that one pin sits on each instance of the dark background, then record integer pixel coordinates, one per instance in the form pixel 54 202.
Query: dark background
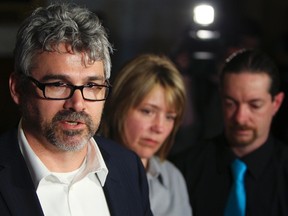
pixel 163 26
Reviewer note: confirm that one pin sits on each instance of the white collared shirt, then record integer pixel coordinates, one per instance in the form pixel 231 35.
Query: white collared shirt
pixel 77 193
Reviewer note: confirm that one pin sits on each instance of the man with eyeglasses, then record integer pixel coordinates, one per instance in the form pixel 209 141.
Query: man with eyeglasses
pixel 52 165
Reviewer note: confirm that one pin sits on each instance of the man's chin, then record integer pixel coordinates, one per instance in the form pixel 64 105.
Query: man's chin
pixel 72 145
pixel 242 141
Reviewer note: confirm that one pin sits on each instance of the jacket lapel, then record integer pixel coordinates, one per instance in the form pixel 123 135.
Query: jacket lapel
pixel 18 191
pixel 16 186
pixel 113 189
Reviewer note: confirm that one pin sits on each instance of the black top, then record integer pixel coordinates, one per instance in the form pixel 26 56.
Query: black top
pixel 206 168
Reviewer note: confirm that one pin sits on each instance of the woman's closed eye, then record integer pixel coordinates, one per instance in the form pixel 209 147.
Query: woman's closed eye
pixel 171 116
pixel 146 111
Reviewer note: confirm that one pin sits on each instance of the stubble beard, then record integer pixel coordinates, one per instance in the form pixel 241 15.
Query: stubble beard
pixel 69 140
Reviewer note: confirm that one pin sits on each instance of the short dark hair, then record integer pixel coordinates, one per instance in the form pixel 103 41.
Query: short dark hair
pixel 252 61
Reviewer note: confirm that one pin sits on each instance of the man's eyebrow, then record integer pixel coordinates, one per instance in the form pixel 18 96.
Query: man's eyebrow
pixel 54 77
pixel 67 78
pixel 253 100
pixel 256 100
pixel 227 97
pixel 93 78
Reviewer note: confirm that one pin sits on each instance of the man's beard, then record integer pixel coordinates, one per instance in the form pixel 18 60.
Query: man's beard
pixel 69 140
pixel 241 141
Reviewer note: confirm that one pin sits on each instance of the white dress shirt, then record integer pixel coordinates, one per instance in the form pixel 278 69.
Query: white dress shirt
pixel 76 193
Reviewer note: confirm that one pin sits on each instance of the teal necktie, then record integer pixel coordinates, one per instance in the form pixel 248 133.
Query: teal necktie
pixel 236 204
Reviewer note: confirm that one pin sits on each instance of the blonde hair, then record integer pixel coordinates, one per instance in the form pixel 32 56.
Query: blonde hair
pixel 132 84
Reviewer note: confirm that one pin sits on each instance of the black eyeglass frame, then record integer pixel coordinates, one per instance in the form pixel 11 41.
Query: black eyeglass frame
pixel 42 87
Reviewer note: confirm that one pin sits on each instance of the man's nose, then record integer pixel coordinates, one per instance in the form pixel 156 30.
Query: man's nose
pixel 241 114
pixel 76 102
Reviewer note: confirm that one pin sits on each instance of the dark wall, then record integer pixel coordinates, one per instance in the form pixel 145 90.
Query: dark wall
pixel 8 110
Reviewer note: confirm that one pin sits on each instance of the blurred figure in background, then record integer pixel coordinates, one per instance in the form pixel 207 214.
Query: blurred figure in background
pixel 203 116
pixel 143 113
pixel 249 88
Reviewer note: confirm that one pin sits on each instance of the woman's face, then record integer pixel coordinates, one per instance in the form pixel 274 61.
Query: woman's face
pixel 147 126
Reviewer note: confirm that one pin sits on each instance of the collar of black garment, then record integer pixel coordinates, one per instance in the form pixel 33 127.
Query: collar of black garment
pixel 255 161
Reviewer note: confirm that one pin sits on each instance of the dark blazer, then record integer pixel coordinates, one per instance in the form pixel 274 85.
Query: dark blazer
pixel 126 188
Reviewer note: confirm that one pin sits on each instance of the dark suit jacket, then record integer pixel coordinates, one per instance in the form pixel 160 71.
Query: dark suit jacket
pixel 126 188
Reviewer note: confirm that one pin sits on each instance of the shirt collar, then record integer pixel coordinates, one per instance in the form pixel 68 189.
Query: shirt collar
pixel 258 159
pixel 94 161
pixel 224 155
pixel 154 170
pixel 255 161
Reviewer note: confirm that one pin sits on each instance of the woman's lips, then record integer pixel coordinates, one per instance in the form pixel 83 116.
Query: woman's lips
pixel 149 142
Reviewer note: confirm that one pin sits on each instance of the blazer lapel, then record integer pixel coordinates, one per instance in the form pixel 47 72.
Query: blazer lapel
pixel 114 192
pixel 19 195
pixel 16 186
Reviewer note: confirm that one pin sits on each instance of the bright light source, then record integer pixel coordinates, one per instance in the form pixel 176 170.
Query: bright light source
pixel 207 34
pixel 204 14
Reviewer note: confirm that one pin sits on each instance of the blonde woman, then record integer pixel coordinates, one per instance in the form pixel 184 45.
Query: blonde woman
pixel 143 113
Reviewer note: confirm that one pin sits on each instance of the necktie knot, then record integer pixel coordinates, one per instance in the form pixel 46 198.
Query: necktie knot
pixel 238 169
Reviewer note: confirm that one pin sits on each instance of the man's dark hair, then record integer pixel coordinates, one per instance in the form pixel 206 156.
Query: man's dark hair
pixel 252 61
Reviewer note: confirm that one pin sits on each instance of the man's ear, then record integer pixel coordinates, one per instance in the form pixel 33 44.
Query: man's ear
pixel 14 86
pixel 278 99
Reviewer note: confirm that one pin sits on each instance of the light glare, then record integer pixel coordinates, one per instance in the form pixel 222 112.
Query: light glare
pixel 204 14
pixel 207 34
pixel 202 55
